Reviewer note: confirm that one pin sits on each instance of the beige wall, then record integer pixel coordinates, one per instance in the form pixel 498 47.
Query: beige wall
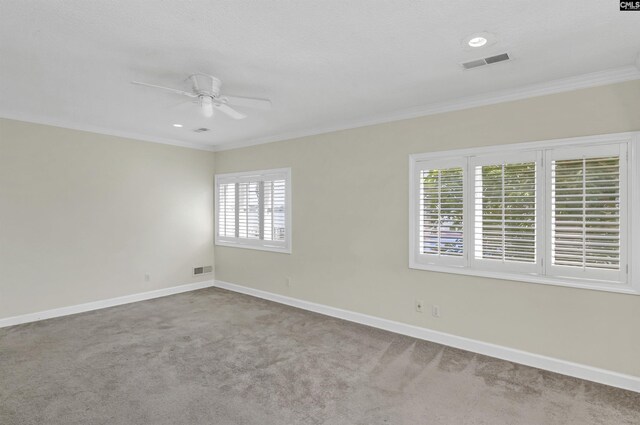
pixel 350 234
pixel 84 216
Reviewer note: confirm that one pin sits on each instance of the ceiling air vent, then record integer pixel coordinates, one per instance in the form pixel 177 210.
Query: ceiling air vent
pixel 486 61
pixel 201 130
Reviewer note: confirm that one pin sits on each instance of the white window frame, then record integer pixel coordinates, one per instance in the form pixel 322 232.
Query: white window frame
pixel 543 151
pixel 252 176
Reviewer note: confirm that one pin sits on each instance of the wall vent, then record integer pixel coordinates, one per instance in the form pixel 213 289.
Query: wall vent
pixel 201 130
pixel 486 61
pixel 202 270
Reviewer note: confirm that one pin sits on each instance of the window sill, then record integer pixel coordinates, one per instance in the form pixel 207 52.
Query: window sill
pixel 567 282
pixel 278 249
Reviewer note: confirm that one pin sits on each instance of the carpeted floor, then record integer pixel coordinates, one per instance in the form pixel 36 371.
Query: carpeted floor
pixel 216 357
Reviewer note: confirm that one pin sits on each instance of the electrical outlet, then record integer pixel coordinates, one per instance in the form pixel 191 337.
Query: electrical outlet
pixel 419 306
pixel 435 311
pixel 147 277
pixel 288 281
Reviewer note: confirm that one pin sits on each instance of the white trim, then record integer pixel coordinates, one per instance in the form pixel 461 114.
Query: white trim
pixel 629 285
pixel 246 175
pixel 564 367
pixel 594 79
pixel 634 209
pixel 101 130
pixel 601 139
pixel 249 245
pixel 532 278
pixel 97 305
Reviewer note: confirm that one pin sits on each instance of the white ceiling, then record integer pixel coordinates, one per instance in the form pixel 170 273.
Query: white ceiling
pixel 323 64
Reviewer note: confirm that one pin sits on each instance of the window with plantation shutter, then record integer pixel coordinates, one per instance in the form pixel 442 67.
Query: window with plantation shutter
pixel 274 208
pixel 253 210
pixel 587 212
pixel 505 212
pixel 227 210
pixel 441 219
pixel 249 210
pixel 440 212
pixel 554 212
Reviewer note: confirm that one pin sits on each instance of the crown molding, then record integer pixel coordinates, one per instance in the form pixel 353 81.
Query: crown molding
pixel 102 130
pixel 594 79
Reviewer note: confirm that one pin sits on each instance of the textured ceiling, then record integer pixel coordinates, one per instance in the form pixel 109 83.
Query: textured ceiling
pixel 322 63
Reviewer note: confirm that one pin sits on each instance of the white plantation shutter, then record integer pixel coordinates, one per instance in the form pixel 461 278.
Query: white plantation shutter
pixel 441 213
pixel 588 212
pixel 253 210
pixel 227 210
pixel 274 210
pixel 249 210
pixel 554 212
pixel 505 212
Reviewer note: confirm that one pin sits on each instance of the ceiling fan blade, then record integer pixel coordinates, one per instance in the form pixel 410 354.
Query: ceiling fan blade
pixel 185 105
pixel 182 92
pixel 248 102
pixel 229 111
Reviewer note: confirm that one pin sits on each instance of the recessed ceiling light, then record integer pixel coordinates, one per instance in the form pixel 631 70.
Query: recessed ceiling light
pixel 177 125
pixel 479 39
pixel 477 42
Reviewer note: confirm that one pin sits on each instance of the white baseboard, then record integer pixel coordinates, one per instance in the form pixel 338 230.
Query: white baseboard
pixel 96 305
pixel 564 367
pixel 589 373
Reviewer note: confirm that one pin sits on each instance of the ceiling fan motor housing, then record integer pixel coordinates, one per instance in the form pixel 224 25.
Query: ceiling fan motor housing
pixel 206 89
pixel 206 104
pixel 205 84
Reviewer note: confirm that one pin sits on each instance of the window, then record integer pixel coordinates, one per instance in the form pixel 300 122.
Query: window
pixel 253 210
pixel 441 216
pixel 506 224
pixel 552 212
pixel 588 212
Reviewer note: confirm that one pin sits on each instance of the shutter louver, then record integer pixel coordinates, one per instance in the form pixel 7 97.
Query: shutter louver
pixel 441 212
pixel 249 210
pixel 505 212
pixel 585 213
pixel 227 210
pixel 274 210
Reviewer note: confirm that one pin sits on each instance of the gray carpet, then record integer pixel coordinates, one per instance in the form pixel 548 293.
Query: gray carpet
pixel 216 357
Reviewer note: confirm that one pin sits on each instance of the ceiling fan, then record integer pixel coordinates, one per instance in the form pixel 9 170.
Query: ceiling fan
pixel 205 90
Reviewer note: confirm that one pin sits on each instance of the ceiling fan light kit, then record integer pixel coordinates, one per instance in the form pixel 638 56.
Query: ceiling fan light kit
pixel 206 90
pixel 206 104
